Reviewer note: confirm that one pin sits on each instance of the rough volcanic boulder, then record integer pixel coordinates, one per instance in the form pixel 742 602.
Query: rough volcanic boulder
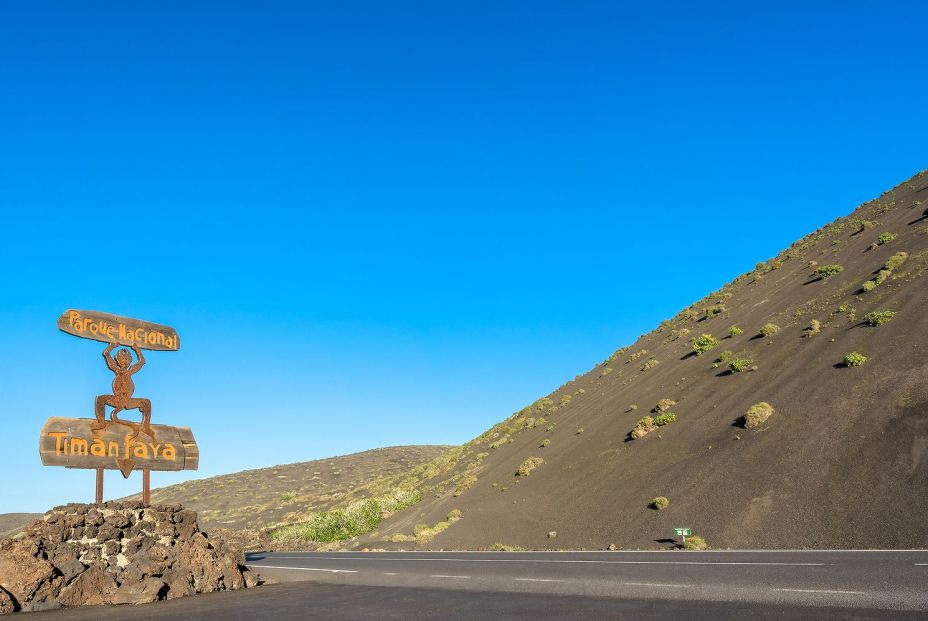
pixel 120 553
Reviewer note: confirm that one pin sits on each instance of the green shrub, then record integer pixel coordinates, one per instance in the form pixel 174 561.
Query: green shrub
pixel 878 318
pixel 843 308
pixel 741 364
pixel 454 515
pixel 725 357
pixel 664 404
pixel 866 224
pixel 359 517
pixel 827 271
pixel 735 331
pixel 896 260
pixel 664 419
pixel 703 343
pixel 757 414
pixel 465 483
pixel 545 442
pixel 854 359
pixel 565 400
pixel 769 329
pixel 650 364
pixel 659 503
pixel 715 309
pixel 501 441
pixel 815 326
pixel 869 285
pixel 526 467
pixel 885 238
pixel 689 313
pixel 881 276
pixel 695 542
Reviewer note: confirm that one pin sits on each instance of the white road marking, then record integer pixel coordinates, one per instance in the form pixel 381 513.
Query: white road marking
pixel 534 560
pixel 655 584
pixel 443 576
pixel 536 580
pixel 921 564
pixel 822 591
pixel 389 573
pixel 333 571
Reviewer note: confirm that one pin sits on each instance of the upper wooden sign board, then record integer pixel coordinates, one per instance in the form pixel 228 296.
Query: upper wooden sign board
pixel 108 328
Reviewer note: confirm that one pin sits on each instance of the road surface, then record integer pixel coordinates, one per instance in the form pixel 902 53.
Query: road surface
pixel 562 585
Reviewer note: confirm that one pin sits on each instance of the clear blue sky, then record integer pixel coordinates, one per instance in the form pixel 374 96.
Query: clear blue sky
pixel 379 223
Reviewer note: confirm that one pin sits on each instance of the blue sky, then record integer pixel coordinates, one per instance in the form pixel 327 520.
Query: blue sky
pixel 382 223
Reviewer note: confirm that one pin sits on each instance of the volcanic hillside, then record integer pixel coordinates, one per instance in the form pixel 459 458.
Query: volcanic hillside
pixel 259 498
pixel 832 333
pixel 12 524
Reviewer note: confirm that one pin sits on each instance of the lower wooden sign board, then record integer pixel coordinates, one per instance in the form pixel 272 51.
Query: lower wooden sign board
pixel 71 442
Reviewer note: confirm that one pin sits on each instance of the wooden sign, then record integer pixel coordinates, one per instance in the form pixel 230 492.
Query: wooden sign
pixel 108 328
pixel 71 442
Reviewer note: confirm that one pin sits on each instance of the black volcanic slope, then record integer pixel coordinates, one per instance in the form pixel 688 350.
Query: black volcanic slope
pixel 842 462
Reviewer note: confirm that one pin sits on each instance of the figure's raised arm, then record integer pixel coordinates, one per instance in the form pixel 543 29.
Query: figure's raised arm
pixel 107 355
pixel 138 354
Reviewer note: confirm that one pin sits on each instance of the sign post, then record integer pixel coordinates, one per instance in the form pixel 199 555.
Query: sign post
pixel 118 444
pixel 682 532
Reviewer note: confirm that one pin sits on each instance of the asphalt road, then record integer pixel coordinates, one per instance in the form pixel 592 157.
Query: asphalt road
pixel 561 585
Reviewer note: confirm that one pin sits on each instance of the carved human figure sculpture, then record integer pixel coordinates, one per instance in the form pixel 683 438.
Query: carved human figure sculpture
pixel 123 389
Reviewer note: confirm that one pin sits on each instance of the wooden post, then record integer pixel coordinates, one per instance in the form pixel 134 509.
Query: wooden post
pixel 99 486
pixel 146 487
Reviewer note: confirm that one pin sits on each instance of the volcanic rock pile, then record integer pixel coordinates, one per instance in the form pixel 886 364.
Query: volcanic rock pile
pixel 120 553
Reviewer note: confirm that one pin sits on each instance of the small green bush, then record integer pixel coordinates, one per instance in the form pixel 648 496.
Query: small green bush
pixel 465 483
pixel 869 285
pixel 454 515
pixel 725 357
pixel 878 318
pixel 885 238
pixel 526 467
pixel 815 326
pixel 545 442
pixel 664 404
pixel 866 224
pixel 715 309
pixel 827 271
pixel 735 331
pixel 650 364
pixel 854 359
pixel 664 419
pixel 741 364
pixel 757 414
pixel 703 343
pixel 896 260
pixel 695 542
pixel 769 329
pixel 659 503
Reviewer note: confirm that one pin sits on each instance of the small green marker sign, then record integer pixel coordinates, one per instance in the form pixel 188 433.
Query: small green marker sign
pixel 683 532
